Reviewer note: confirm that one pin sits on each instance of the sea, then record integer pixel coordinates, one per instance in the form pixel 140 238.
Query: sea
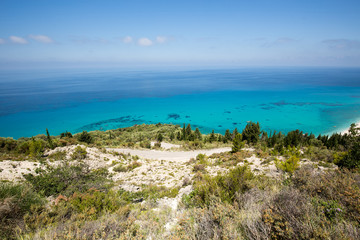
pixel 313 100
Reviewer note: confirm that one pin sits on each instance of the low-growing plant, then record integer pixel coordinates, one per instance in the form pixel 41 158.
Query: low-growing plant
pixel 85 137
pixel 66 179
pixel 79 153
pixel 222 186
pixel 127 168
pixel 145 144
pixel 15 201
pixel 289 165
pixel 58 155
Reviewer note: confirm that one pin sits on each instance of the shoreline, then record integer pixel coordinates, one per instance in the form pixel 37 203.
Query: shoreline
pixel 345 131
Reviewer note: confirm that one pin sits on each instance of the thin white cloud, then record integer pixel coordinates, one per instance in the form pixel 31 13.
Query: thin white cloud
pixel 2 41
pixel 18 40
pixel 145 42
pixel 127 39
pixel 161 39
pixel 41 38
pixel 342 44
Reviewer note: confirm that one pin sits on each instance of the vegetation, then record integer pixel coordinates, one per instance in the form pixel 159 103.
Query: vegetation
pixel 67 179
pixel 315 194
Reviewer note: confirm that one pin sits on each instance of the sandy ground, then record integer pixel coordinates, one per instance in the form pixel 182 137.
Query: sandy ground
pixel 158 167
pixel 179 156
pixel 167 146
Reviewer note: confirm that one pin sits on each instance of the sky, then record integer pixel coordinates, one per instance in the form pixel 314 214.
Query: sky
pixel 38 33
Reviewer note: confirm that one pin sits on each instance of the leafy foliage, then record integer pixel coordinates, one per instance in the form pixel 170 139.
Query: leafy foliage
pixel 67 179
pixel 289 165
pixel 251 132
pixel 238 144
pixel 85 137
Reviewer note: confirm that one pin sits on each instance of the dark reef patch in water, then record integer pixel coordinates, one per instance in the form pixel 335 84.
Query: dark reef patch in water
pixel 283 103
pixel 173 116
pixel 112 123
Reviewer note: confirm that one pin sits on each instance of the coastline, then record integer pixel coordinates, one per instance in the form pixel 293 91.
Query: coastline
pixel 345 131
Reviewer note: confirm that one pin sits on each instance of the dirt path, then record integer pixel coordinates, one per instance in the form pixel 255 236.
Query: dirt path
pixel 178 156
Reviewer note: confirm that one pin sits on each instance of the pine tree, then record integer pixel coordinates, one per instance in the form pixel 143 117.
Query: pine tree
pixel 251 132
pixel 184 137
pixel 188 131
pixel 198 134
pixel 237 143
pixel 212 137
pixel 159 137
pixel 51 144
pixel 235 132
pixel 178 136
pixel 227 136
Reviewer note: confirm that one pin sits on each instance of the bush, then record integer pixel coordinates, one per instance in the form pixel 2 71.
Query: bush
pixel 145 144
pixel 15 201
pixel 238 144
pixel 85 137
pixel 290 165
pixel 36 148
pixel 128 168
pixel 79 153
pixel 67 179
pixel 222 186
pixel 251 133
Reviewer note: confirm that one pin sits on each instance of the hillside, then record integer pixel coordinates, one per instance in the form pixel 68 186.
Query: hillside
pixel 170 182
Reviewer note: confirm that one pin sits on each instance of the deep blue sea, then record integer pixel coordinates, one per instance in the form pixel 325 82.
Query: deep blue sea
pixel 317 100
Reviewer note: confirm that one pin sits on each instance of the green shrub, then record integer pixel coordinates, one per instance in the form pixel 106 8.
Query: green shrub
pixel 238 144
pixel 120 168
pixel 128 168
pixel 79 153
pixel 36 148
pixel 202 159
pixel 15 201
pixel 145 144
pixel 222 186
pixel 58 156
pixel 85 137
pixel 66 179
pixel 289 165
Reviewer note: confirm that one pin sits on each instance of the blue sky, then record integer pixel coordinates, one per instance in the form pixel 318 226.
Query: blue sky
pixel 179 33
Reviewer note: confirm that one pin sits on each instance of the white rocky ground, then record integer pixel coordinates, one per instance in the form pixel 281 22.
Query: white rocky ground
pixel 160 167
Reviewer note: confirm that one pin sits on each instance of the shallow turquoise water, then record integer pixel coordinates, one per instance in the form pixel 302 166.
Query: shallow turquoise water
pixel 312 100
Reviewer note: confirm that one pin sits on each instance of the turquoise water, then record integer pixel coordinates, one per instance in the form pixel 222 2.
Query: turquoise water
pixel 313 100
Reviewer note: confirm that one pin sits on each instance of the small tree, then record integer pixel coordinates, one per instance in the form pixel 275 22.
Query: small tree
pixel 212 137
pixel 85 137
pixel 188 131
pixel 197 134
pixel 184 137
pixel 235 132
pixel 178 136
pixel 238 144
pixel 227 136
pixel 172 136
pixel 251 132
pixel 159 137
pixel 48 137
pixel 66 134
